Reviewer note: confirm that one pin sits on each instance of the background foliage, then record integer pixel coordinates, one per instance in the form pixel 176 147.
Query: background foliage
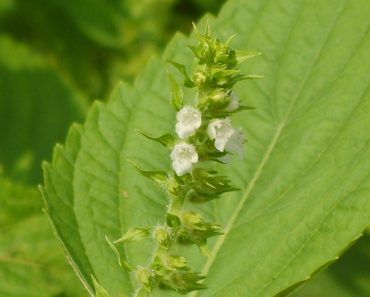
pixel 55 58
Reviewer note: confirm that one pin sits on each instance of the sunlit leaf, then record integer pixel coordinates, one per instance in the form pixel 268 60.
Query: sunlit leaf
pixel 305 177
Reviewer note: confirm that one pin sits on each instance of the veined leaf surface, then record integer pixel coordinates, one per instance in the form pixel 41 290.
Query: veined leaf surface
pixel 305 176
pixel 348 277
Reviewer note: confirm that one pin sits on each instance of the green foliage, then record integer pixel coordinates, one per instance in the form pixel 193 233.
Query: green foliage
pixel 36 107
pixel 305 179
pixel 348 277
pixel 108 40
pixel 31 260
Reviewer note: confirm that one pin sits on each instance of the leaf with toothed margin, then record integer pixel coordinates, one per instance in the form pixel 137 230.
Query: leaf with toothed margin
pixel 304 179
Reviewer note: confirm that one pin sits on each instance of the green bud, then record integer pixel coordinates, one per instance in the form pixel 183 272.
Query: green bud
pixel 146 277
pixel 193 220
pixel 164 264
pixel 162 236
pixel 223 77
pixel 134 234
pixel 182 281
pixel 200 76
pixel 173 220
pixel 173 187
pixel 195 230
pixel 219 95
pixel 208 186
pixel 177 262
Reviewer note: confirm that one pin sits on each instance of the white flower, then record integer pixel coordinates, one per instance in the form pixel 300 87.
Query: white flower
pixel 226 137
pixel 221 131
pixel 234 103
pixel 188 119
pixel 183 156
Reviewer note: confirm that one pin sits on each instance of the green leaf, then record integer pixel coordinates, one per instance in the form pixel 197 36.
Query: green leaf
pixel 349 277
pixel 103 21
pixel 36 108
pixel 121 261
pixel 242 56
pixel 31 260
pixel 134 234
pixel 157 176
pixel 168 140
pixel 177 95
pixel 306 173
pixel 182 69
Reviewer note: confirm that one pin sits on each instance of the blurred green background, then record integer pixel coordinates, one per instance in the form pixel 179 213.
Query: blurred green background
pixel 56 57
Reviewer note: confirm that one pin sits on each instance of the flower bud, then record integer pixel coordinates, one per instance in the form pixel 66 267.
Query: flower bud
pixel 177 262
pixel 146 277
pixel 200 75
pixel 195 230
pixel 162 236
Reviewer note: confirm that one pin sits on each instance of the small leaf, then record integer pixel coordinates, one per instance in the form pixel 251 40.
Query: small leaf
pixel 121 261
pixel 158 176
pixel 168 140
pixel 134 234
pixel 242 56
pixel 177 95
pixel 181 68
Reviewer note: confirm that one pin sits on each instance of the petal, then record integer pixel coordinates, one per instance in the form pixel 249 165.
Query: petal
pixel 184 131
pixel 194 158
pixel 181 167
pixel 220 144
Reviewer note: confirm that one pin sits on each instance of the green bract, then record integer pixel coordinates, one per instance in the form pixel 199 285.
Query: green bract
pixel 304 184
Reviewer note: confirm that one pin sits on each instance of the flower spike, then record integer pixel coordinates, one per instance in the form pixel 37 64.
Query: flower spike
pixel 204 133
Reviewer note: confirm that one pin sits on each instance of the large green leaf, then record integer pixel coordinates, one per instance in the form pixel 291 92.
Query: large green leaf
pixel 305 177
pixel 36 107
pixel 349 277
pixel 31 260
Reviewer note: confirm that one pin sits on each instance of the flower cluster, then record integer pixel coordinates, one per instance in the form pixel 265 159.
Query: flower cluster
pixel 204 134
